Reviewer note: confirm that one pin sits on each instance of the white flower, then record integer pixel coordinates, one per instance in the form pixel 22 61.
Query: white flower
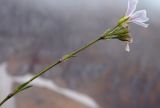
pixel 138 17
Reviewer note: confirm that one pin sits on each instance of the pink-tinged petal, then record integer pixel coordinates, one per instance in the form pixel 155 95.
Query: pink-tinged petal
pixel 141 16
pixel 127 48
pixel 132 4
pixel 141 23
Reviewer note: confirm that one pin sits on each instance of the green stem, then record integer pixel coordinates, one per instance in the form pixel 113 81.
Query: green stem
pixel 64 58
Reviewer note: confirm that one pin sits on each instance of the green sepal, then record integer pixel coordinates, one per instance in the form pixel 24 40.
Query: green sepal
pixel 121 32
pixel 123 20
pixel 124 37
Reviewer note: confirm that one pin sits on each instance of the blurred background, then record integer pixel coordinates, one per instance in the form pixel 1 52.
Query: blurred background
pixel 35 33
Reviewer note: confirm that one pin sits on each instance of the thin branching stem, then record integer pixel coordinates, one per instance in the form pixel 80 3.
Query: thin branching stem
pixel 106 35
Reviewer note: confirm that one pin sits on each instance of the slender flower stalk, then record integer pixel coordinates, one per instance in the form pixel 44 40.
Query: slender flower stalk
pixel 106 35
pixel 120 31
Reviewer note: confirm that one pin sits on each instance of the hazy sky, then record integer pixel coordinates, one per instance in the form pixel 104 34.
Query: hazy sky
pixel 94 3
pixel 155 4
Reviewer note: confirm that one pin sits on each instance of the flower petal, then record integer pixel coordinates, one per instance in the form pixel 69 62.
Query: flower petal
pixel 132 4
pixel 127 48
pixel 141 23
pixel 141 16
